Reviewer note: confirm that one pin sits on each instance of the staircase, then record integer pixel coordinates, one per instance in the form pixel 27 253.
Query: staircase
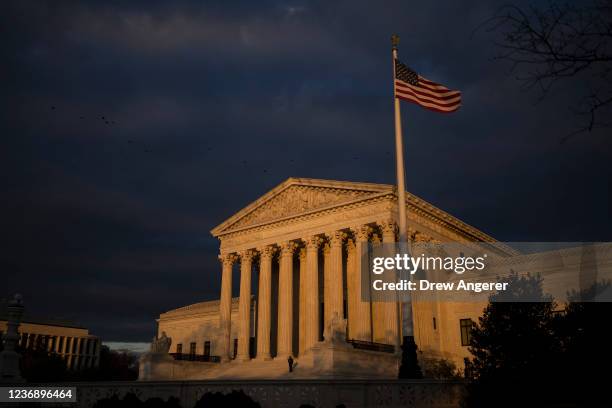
pixel 277 368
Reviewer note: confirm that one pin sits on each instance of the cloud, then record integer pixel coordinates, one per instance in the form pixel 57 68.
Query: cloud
pixel 217 103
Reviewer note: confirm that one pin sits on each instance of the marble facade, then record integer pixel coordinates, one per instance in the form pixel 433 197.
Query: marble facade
pixel 295 253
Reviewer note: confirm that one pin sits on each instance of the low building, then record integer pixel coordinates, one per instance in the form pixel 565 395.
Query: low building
pixel 72 342
pixel 194 330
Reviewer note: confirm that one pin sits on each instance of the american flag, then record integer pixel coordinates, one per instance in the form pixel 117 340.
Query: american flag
pixel 412 87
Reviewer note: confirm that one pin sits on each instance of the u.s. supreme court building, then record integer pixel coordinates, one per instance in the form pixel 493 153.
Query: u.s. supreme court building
pixel 295 252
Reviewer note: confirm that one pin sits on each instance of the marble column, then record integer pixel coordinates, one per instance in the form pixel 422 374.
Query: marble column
pixel 285 300
pixel 361 321
pixel 378 305
pixel 325 284
pixel 391 304
pixel 351 301
pixel 244 306
pixel 97 345
pixel 78 357
pixel 311 292
pixel 302 304
pixel 333 293
pixel 264 302
pixel 225 306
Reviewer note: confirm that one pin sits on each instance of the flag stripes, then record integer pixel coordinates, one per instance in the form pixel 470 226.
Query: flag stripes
pixel 411 87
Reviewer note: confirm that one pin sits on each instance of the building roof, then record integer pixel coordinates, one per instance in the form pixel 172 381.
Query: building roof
pixel 195 309
pixel 347 192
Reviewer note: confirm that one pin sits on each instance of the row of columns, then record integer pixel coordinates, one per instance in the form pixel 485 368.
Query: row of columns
pixel 383 328
pixel 75 350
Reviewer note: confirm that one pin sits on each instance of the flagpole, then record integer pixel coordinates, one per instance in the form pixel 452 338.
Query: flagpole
pixel 409 367
pixel 399 155
pixel 406 323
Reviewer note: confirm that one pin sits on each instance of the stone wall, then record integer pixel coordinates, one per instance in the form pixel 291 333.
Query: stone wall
pixel 289 393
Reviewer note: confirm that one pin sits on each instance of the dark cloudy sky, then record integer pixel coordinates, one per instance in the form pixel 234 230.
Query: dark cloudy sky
pixel 211 104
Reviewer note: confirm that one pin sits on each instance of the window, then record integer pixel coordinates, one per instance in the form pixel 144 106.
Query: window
pixel 434 323
pixel 235 347
pixel 207 348
pixel 466 331
pixel 192 351
pixel 179 348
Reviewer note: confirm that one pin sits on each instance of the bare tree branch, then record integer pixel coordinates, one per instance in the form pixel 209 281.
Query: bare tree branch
pixel 560 42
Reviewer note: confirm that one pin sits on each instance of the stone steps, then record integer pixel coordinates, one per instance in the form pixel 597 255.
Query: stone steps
pixel 256 369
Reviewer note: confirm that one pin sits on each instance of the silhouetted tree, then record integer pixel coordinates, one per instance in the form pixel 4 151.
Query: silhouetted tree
pixel 584 333
pixel 440 369
pixel 131 400
pixel 233 399
pixel 512 344
pixel 557 41
pixel 38 365
pixel 528 354
pixel 114 366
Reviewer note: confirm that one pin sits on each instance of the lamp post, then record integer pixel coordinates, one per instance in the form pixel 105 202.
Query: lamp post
pixel 9 358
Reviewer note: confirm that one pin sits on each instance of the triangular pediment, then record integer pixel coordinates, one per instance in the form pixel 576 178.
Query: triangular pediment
pixel 298 196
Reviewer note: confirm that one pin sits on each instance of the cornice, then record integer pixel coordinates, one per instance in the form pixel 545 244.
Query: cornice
pixel 308 215
pixel 292 181
pixel 418 209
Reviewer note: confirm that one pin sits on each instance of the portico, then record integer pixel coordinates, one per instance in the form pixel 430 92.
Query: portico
pixel 304 240
pixel 295 257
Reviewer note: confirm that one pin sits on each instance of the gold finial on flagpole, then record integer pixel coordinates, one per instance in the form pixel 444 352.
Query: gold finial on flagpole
pixel 395 40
